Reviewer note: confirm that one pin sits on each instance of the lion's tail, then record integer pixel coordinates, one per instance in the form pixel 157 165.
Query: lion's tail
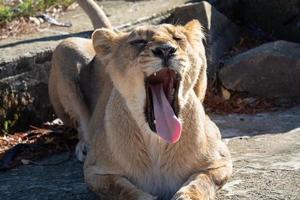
pixel 95 13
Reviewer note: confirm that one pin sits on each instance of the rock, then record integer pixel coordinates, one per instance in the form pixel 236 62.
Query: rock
pixel 24 96
pixel 281 18
pixel 230 8
pixel 271 70
pixel 221 33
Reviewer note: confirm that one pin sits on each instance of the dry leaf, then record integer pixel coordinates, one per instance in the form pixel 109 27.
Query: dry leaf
pixel 225 93
pixel 25 161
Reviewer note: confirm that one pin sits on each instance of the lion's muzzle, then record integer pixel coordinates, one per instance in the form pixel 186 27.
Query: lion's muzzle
pixel 165 52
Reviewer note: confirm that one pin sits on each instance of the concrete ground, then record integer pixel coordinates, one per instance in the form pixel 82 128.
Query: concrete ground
pixel 266 153
pixel 265 149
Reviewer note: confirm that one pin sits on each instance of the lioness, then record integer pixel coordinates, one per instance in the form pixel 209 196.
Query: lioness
pixel 138 98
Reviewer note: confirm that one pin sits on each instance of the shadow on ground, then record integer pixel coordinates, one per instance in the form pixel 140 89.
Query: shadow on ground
pixel 84 34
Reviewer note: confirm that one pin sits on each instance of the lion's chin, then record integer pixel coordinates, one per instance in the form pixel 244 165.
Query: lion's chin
pixel 162 106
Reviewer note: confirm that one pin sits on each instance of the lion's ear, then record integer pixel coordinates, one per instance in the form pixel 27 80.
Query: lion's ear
pixel 194 30
pixel 104 41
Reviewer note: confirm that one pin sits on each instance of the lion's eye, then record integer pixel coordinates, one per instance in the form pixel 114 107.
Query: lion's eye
pixel 139 43
pixel 177 38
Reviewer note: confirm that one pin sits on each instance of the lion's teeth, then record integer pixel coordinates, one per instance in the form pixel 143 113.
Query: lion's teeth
pixel 154 73
pixel 154 121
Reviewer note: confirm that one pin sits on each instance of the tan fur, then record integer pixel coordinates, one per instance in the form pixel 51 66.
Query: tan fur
pixel 106 98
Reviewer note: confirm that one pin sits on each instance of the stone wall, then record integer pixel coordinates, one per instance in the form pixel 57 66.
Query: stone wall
pixel 24 91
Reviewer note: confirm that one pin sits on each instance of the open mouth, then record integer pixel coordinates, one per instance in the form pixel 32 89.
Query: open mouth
pixel 162 106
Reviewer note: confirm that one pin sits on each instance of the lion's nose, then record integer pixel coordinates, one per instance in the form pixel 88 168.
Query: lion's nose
pixel 164 52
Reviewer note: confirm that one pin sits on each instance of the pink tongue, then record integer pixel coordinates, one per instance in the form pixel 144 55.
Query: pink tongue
pixel 167 124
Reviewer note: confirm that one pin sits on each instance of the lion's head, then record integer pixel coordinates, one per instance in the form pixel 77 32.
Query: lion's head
pixel 154 68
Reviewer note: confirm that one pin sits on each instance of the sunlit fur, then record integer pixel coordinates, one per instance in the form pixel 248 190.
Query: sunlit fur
pixel 127 160
pixel 105 99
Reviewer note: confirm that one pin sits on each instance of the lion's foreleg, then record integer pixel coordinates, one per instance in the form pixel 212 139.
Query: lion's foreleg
pixel 114 187
pixel 203 186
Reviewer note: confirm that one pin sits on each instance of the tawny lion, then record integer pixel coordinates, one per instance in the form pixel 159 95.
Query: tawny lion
pixel 137 98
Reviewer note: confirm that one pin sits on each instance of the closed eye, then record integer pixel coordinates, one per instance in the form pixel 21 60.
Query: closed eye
pixel 176 38
pixel 139 43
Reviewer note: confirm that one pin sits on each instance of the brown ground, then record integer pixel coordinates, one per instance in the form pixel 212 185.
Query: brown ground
pixel 27 25
pixel 25 147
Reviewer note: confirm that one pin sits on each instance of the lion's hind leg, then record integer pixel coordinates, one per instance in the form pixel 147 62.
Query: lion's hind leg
pixel 64 90
pixel 78 112
pixel 55 101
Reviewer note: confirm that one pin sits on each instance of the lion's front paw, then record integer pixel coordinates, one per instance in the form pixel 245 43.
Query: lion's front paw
pixel 191 194
pixel 81 150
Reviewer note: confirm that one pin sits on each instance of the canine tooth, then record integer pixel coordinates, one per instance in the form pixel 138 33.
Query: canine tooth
pixel 154 121
pixel 154 73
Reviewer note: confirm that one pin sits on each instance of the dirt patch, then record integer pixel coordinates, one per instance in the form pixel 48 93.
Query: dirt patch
pixel 17 27
pixel 236 103
pixel 38 142
pixel 19 17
